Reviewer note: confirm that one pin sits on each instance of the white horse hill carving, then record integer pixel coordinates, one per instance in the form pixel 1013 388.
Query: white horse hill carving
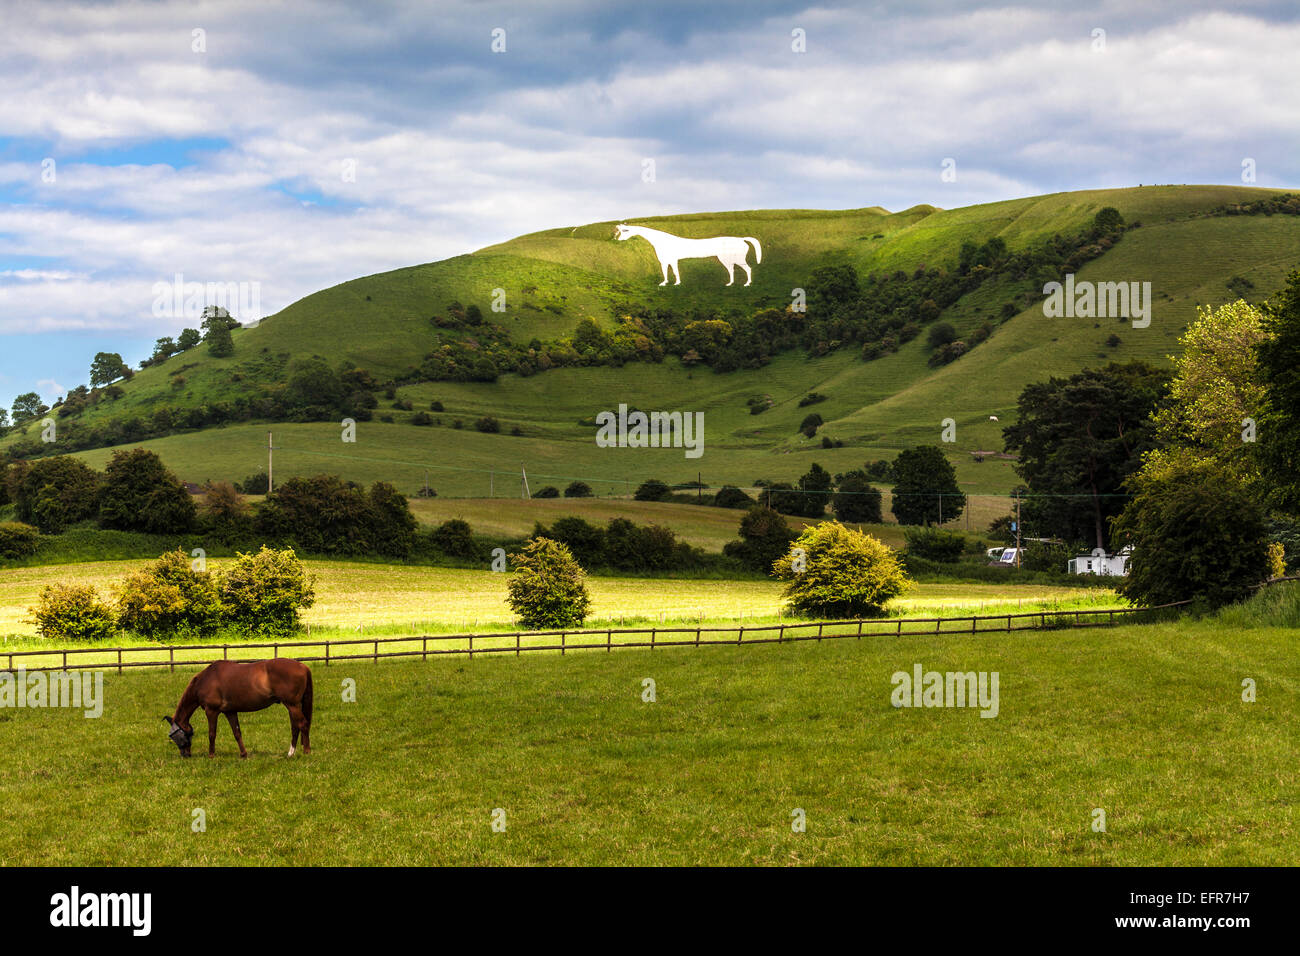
pixel 731 251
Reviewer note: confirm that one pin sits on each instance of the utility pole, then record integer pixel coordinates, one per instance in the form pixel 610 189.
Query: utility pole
pixel 524 474
pixel 270 464
pixel 1017 531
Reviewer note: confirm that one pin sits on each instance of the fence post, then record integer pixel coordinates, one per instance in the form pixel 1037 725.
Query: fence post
pixel 900 627
pixel 225 652
pixel 65 662
pixel 859 629
pixel 740 638
pixel 609 640
pixel 819 631
pixel 973 619
pixel 171 659
pixel 376 650
pixel 275 651
pixel 697 635
pixel 563 635
pixel 652 637
pixel 327 653
pixel 119 660
pixel 471 647
pixel 1008 623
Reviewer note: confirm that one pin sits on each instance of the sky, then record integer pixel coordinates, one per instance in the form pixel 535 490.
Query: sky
pixel 288 147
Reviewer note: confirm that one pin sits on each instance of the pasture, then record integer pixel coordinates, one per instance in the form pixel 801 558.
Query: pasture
pixel 391 599
pixel 1145 722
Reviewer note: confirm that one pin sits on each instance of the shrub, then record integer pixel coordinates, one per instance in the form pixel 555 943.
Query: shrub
pixel 18 540
pixel 810 424
pixel 940 335
pixel 547 588
pixel 550 491
pixel 764 537
pixel 169 598
pixel 264 593
pixel 455 539
pixel 586 541
pixel 1196 532
pixel 256 484
pixel 326 515
pixel 729 496
pixel 392 524
pixel 423 419
pixel 139 494
pixel 224 514
pixel 845 573
pixel 488 424
pixel 73 612
pixel 934 544
pixel 856 500
pixel 53 493
pixel 578 489
pixel 653 490
pixel 812 398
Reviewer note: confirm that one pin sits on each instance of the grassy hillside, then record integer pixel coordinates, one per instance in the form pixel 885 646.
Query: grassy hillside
pixel 552 279
pixel 710 773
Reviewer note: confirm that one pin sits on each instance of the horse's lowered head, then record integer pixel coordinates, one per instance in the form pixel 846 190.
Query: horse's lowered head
pixel 623 231
pixel 180 735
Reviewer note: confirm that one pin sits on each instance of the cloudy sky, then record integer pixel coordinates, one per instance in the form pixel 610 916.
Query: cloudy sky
pixel 299 145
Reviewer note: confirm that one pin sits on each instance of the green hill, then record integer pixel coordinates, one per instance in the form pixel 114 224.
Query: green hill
pixel 555 278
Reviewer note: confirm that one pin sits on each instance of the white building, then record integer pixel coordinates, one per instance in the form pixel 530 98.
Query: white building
pixel 1099 562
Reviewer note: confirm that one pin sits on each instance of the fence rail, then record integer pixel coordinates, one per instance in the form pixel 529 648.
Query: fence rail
pixel 564 641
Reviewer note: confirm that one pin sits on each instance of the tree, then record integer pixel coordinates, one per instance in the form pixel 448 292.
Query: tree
pixel 577 489
pixel 835 571
pixel 652 489
pixel 1216 390
pixel 163 349
pixel 224 514
pixel 140 494
pixel 188 339
pixel 53 493
pixel 106 368
pixel 547 588
pixel 1197 533
pixel 220 342
pixel 27 406
pixel 764 537
pixel 4 418
pixel 940 335
pixel 817 486
pixel 1279 424
pixel 1078 440
pixel 856 500
pixel 925 487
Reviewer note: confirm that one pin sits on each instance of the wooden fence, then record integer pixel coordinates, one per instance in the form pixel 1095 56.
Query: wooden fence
pixel 563 641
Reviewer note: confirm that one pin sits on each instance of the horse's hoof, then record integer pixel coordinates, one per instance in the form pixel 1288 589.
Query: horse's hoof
pixel 243 756
pixel 290 753
pixel 210 756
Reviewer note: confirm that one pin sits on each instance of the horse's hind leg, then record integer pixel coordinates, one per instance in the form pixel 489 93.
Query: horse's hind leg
pixel 233 718
pixel 296 720
pixel 664 267
pixel 749 273
pixel 730 266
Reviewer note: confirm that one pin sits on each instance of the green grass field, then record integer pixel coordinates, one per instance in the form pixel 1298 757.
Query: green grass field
pixel 1144 722
pixel 554 278
pixel 391 599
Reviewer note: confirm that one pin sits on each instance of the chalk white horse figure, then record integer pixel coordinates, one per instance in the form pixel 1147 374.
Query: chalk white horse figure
pixel 731 251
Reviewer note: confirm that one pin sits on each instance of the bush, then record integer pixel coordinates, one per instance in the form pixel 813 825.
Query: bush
pixel 224 514
pixel 169 599
pixel 934 544
pixel 53 493
pixel 488 424
pixel 264 593
pixel 578 489
pixel 653 490
pixel 764 537
pixel 810 424
pixel 73 612
pixel 856 500
pixel 550 491
pixel 729 496
pixel 845 573
pixel 584 540
pixel 547 588
pixel 255 484
pixel 18 540
pixel 139 494
pixel 326 515
pixel 1196 533
pixel 455 539
pixel 423 419
pixel 940 335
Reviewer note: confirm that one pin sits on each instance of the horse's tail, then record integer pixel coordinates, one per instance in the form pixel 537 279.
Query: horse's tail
pixel 758 250
pixel 306 699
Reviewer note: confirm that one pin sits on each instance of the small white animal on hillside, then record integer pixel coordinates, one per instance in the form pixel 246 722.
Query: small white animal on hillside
pixel 731 251
pixel 993 418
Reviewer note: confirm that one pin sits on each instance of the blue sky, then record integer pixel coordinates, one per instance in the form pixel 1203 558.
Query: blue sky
pixel 213 140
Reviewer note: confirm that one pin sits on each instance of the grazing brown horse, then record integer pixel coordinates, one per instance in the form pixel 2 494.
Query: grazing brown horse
pixel 231 687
